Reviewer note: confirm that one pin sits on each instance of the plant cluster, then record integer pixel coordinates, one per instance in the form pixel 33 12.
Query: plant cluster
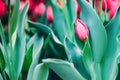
pixel 59 40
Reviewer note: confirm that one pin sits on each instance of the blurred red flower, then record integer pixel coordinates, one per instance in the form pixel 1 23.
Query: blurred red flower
pixel 2 8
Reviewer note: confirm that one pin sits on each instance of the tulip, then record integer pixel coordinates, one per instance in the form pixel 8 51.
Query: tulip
pixel 104 5
pixel 2 9
pixel 49 14
pixel 22 4
pixel 39 9
pixel 81 30
pixel 113 9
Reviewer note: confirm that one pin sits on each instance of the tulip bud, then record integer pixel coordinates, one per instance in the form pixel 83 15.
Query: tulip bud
pixel 2 9
pixel 81 30
pixel 39 9
pixel 49 14
pixel 22 4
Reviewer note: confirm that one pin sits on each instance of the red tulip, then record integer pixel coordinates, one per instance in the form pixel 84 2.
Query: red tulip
pixel 39 9
pixel 49 14
pixel 112 6
pixel 81 30
pixel 113 9
pixel 2 9
pixel 104 5
pixel 32 5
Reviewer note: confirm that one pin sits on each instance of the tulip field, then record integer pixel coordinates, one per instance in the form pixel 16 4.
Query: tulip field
pixel 59 39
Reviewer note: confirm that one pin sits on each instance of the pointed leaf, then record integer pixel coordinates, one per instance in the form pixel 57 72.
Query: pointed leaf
pixel 88 59
pixel 41 72
pixel 63 69
pixel 19 47
pixel 59 26
pixel 74 54
pixel 36 56
pixel 14 19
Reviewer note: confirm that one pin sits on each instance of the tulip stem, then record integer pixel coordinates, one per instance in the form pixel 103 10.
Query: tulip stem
pixel 101 16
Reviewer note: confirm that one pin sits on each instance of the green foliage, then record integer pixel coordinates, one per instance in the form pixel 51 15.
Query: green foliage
pixel 36 51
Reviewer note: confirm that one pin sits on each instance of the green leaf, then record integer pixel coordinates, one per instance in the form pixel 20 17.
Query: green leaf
pixel 2 60
pixel 28 59
pixel 1 77
pixel 59 24
pixel 110 61
pixel 19 48
pixel 72 11
pixel 4 47
pixel 56 45
pixel 88 59
pixel 45 30
pixel 98 37
pixel 41 72
pixel 64 69
pixel 14 19
pixel 75 56
pixel 40 40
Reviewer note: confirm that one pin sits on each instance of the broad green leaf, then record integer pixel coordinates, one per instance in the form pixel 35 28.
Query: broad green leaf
pixel 75 56
pixel 19 48
pixel 98 37
pixel 1 78
pixel 45 30
pixel 64 69
pixel 41 72
pixel 72 11
pixel 28 59
pixel 2 60
pixel 59 23
pixel 14 19
pixel 55 44
pixel 110 61
pixel 88 59
pixel 35 60
pixel 4 47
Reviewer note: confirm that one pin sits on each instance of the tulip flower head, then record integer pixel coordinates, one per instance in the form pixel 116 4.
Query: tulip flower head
pixel 39 9
pixel 2 9
pixel 81 30
pixel 49 14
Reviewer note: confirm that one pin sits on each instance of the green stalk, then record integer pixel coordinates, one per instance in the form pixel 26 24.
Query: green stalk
pixel 95 5
pixel 98 71
pixel 101 16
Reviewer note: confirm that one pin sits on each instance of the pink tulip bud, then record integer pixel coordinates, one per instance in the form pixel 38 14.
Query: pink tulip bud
pixel 49 14
pixel 22 4
pixel 39 9
pixel 2 9
pixel 81 30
